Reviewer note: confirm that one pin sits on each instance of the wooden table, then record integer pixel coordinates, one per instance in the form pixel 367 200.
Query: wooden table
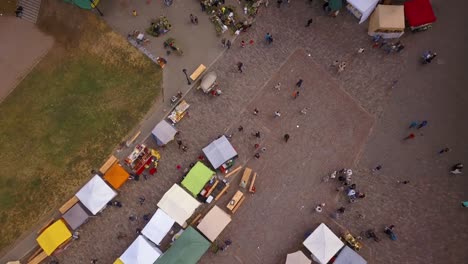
pixel 245 178
pixel 234 200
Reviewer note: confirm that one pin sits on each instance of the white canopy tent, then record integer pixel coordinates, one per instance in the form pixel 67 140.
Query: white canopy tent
pixel 95 194
pixel 164 132
pixel 219 151
pixel 178 204
pixel 362 9
pixel 323 244
pixel 158 227
pixel 214 223
pixel 140 252
pixel 297 257
pixel 349 256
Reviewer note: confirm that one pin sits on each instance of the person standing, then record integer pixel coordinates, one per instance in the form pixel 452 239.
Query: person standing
pixel 239 66
pixel 295 94
pixel 279 3
pixel 277 114
pixel 299 83
pixel 192 19
pixel 134 13
pixel 228 44
pixel 410 136
pixel 413 124
pixel 423 124
pixel 223 41
pixel 309 22
pixel 444 150
pixel 242 44
pixel 286 137
pixel 377 168
pixel 179 142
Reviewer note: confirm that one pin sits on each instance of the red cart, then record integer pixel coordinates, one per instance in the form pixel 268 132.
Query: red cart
pixel 419 15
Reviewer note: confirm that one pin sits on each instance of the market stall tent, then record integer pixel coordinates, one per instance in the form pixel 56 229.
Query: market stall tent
pixel 140 252
pixel 197 177
pixel 116 176
pixel 178 204
pixel 76 216
pixel 187 249
pixel 361 9
pixel 419 13
pixel 323 244
pixel 163 133
pixel 387 21
pixel 297 257
pixel 214 223
pixel 349 256
pixel 158 227
pixel 53 236
pixel 219 151
pixel 95 194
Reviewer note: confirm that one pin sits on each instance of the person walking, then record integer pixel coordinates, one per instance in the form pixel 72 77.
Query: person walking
pixel 239 66
pixel 413 124
pixel 295 94
pixel 195 20
pixel 134 13
pixel 309 22
pixel 278 86
pixel 240 128
pixel 192 19
pixel 279 3
pixel 410 136
pixel 299 83
pixel 444 150
pixel 423 124
pixel 286 137
pixel 179 142
pixel 255 111
pixel 268 38
pixel 228 44
pixel 223 41
pixel 403 182
pixel 257 134
pixel 304 110
pixel 277 114
pixel 377 168
pixel 242 44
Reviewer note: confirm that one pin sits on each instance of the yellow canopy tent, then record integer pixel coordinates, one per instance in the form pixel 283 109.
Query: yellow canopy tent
pixel 118 261
pixel 116 176
pixel 53 236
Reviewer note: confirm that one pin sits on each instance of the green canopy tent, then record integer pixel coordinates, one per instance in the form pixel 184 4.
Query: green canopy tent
pixel 85 4
pixel 187 249
pixel 197 177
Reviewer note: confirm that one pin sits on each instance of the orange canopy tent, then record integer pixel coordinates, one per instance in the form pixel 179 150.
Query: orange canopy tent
pixel 116 176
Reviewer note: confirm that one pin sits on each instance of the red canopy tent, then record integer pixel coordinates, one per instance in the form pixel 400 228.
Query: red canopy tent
pixel 419 14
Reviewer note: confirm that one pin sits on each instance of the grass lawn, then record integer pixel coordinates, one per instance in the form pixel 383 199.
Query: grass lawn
pixel 68 114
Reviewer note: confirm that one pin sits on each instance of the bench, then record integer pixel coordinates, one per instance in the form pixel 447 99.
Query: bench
pixel 106 166
pixel 38 258
pixel 252 186
pixel 238 204
pixel 245 177
pixel 69 204
pixel 198 72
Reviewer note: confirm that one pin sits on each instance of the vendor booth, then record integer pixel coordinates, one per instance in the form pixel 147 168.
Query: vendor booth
pixel 141 158
pixel 187 249
pixel 361 9
pixel 323 244
pixel 116 176
pixel 53 237
pixel 197 177
pixel 163 133
pixel 214 223
pixel 349 256
pixel 297 257
pixel 179 112
pixel 75 216
pixel 419 14
pixel 158 227
pixel 140 252
pixel 178 204
pixel 219 152
pixel 95 194
pixel 387 21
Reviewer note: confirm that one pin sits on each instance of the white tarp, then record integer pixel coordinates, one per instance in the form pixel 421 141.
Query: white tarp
pixel 349 256
pixel 214 223
pixel 365 7
pixel 140 252
pixel 158 227
pixel 95 194
pixel 323 244
pixel 297 257
pixel 164 132
pixel 219 151
pixel 178 204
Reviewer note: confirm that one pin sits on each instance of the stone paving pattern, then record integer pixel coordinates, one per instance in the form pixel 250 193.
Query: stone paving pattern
pixel 431 225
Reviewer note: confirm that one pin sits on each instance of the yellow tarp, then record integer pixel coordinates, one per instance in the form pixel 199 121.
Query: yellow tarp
pixel 118 261
pixel 116 176
pixel 54 236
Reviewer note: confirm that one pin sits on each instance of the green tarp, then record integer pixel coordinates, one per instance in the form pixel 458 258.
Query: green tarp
pixel 197 177
pixel 85 4
pixel 335 4
pixel 187 249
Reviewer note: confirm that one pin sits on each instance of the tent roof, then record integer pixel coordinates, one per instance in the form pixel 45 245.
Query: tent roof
pixel 116 176
pixel 95 194
pixel 140 252
pixel 53 236
pixel 178 204
pixel 349 256
pixel 388 17
pixel 197 177
pixel 219 151
pixel 323 243
pixel 214 223
pixel 419 12
pixel 164 132
pixel 187 249
pixel 76 216
pixel 363 5
pixel 297 257
pixel 158 226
